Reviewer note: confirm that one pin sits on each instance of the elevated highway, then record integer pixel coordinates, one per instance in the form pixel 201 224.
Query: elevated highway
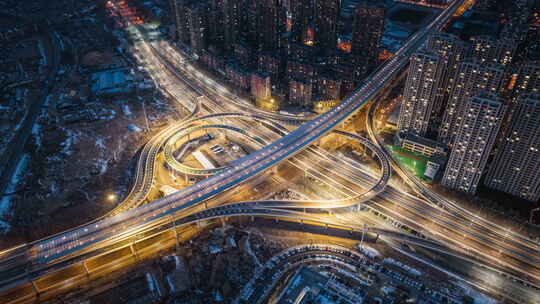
pixel 187 201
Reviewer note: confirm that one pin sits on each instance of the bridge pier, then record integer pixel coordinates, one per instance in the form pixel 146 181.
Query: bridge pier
pixel 36 289
pixel 176 236
pixel 86 270
pixel 133 252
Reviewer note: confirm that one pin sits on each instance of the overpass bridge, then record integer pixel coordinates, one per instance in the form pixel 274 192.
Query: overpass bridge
pixel 84 238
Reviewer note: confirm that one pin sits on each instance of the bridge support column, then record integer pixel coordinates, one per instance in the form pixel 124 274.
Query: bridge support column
pixel 86 270
pixel 176 236
pixel 133 252
pixel 35 288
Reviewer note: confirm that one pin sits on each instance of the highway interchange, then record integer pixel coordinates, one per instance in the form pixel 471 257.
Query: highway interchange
pixel 451 225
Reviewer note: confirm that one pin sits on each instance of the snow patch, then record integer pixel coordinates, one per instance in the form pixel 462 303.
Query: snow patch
pixel 4 228
pixel 126 110
pixel 72 138
pixel 36 131
pixel 100 143
pixel 370 252
pixel 407 268
pixel 479 298
pixel 102 165
pixel 5 203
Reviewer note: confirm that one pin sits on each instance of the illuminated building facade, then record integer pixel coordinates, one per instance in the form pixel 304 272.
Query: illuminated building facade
pixel 517 162
pixel 474 140
pixel 368 28
pixel 326 20
pixel 182 20
pixel 300 92
pixel 472 77
pixel 197 17
pixel 261 87
pixel 489 49
pixel 329 88
pixel 423 79
pixel 451 50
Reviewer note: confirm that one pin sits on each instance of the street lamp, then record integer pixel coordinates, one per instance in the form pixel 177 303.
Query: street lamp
pixel 111 197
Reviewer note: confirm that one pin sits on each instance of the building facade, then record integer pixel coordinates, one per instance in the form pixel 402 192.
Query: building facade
pixel 474 140
pixel 261 87
pixel 326 23
pixel 368 27
pixel 421 87
pixel 490 49
pixel 516 167
pixel 472 77
pixel 300 92
pixel 451 50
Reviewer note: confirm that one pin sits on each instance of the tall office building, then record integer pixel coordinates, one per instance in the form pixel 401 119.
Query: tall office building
pixel 451 50
pixel 368 28
pixel 490 49
pixel 516 167
pixel 472 77
pixel 326 23
pixel 423 80
pixel 475 137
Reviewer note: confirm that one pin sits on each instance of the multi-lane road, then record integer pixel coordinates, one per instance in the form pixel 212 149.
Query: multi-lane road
pixel 188 200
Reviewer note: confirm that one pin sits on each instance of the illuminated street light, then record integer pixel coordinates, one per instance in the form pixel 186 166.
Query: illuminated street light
pixel 111 197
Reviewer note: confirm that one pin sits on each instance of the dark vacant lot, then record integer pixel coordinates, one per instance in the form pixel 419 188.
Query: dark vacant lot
pixel 409 16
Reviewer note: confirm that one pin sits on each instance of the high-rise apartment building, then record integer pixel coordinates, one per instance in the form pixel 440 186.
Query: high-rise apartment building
pixel 302 15
pixel 525 78
pixel 300 92
pixel 516 168
pixel 423 78
pixel 261 87
pixel 474 140
pixel 328 87
pixel 216 28
pixel 182 20
pixel 326 23
pixel 198 25
pixel 451 50
pixel 368 28
pixel 472 77
pixel 490 49
pixel 272 24
pixel 484 5
pixel 301 70
pixel 271 65
pixel 231 21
